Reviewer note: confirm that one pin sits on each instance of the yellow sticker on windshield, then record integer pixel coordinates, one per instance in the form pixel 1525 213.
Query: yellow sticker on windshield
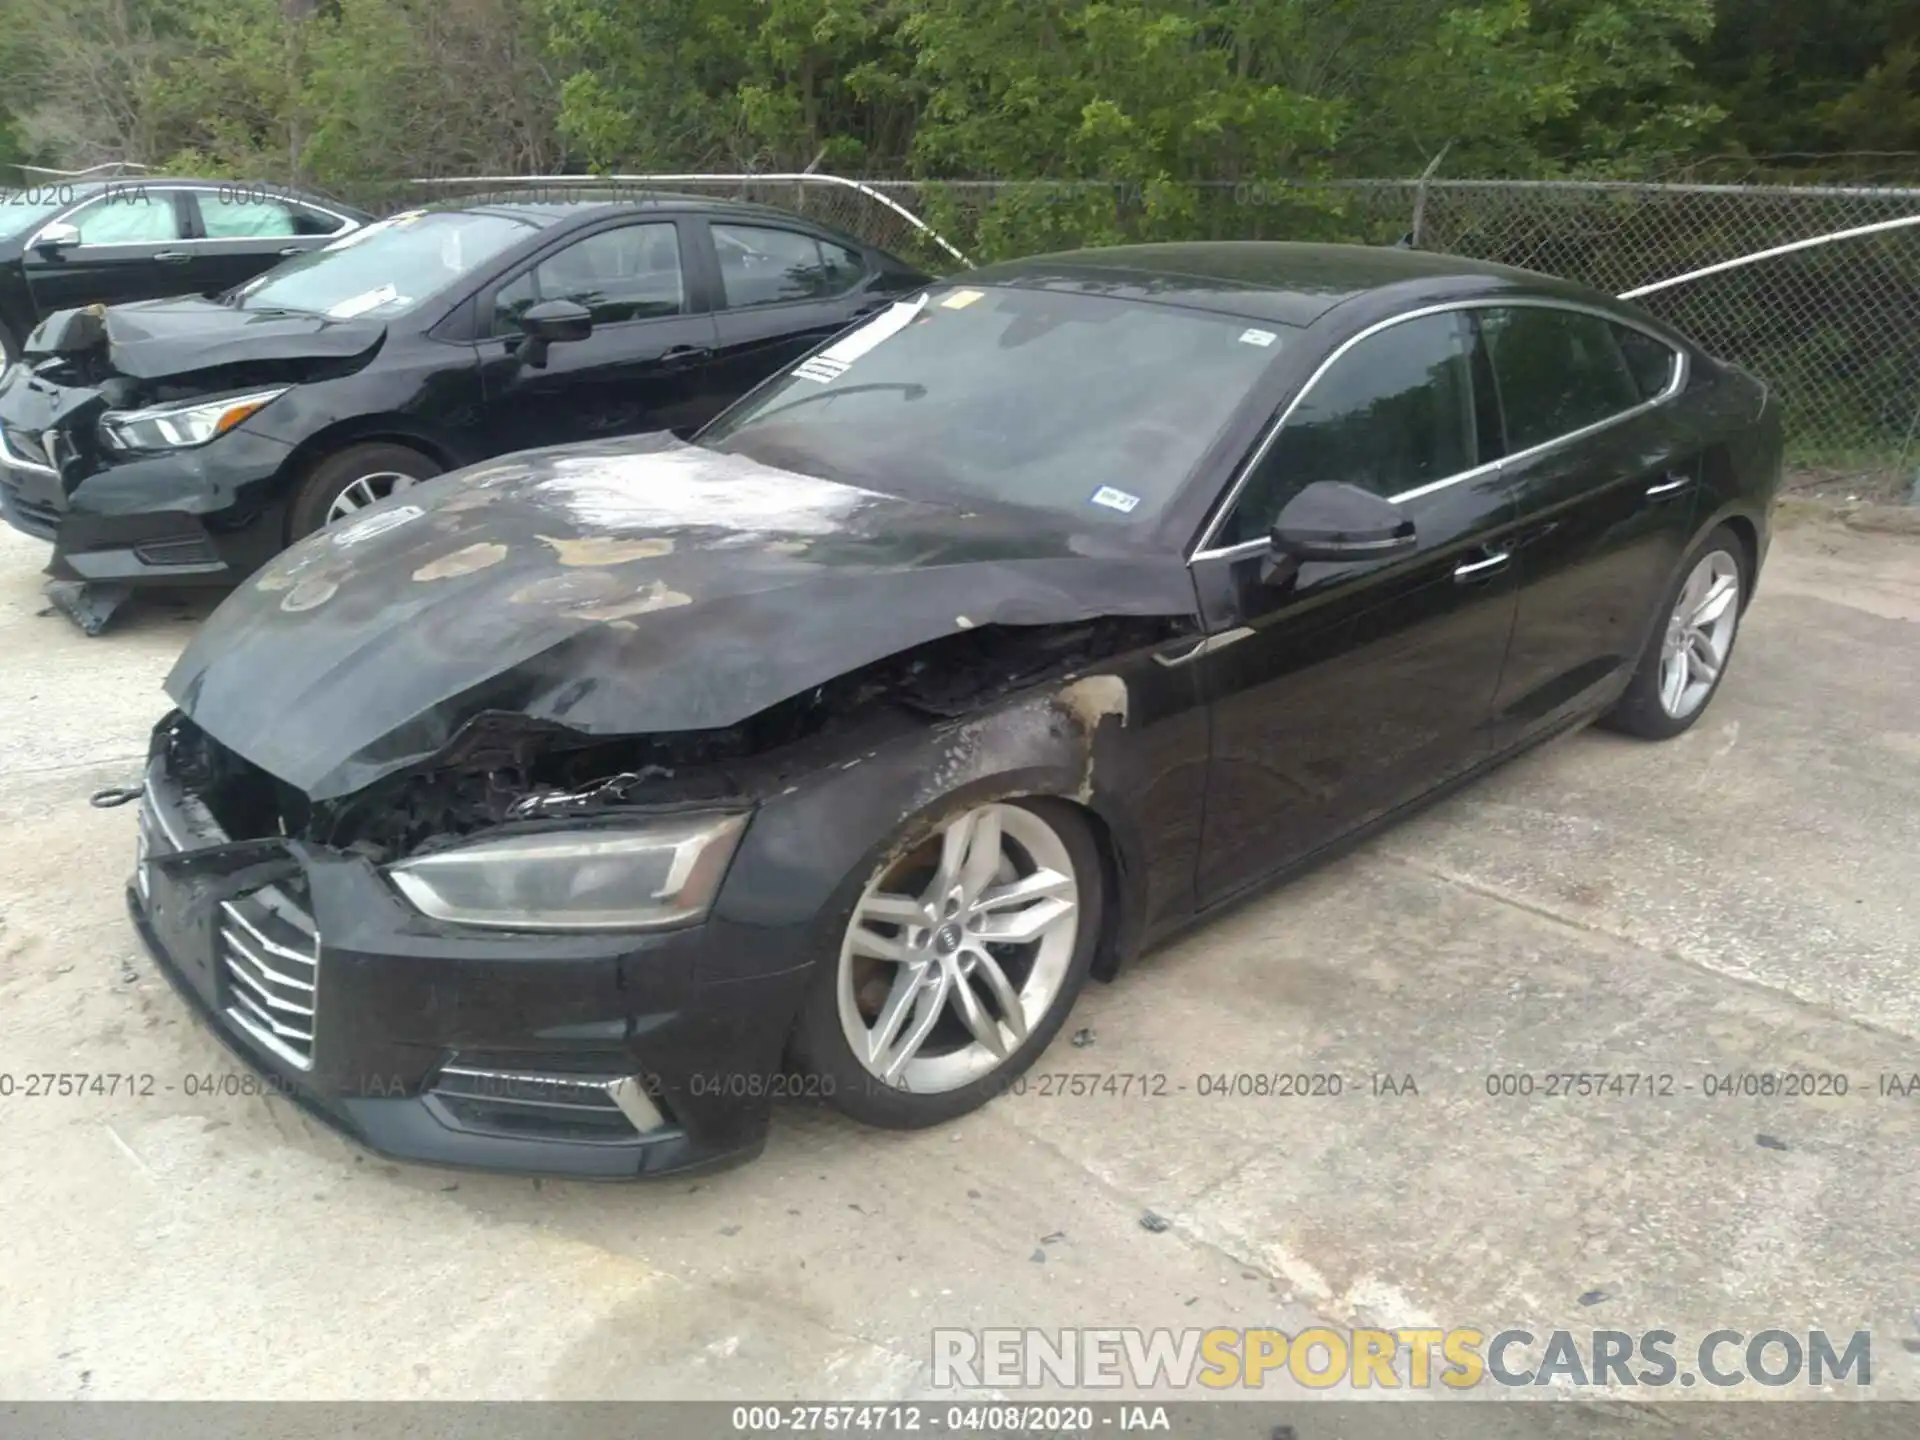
pixel 960 299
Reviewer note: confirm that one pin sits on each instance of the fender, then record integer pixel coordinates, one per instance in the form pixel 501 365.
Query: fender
pixel 809 840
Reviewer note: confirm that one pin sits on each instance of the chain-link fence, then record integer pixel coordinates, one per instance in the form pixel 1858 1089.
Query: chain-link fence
pixel 1834 327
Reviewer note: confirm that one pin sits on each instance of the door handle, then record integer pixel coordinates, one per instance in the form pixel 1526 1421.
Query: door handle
pixel 1475 569
pixel 1669 486
pixel 171 257
pixel 682 356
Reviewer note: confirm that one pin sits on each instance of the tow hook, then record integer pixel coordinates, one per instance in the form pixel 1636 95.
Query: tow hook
pixel 114 796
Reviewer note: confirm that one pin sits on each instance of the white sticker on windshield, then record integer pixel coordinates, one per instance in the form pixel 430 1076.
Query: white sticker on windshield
pixel 360 304
pixel 832 362
pixel 1257 337
pixel 1115 499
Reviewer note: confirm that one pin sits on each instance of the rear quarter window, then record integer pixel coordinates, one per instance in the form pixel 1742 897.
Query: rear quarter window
pixel 1558 371
pixel 1653 362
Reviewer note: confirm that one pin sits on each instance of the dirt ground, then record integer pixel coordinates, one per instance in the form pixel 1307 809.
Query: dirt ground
pixel 1741 900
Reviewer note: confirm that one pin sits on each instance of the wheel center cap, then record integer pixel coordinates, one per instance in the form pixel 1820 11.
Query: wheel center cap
pixel 946 939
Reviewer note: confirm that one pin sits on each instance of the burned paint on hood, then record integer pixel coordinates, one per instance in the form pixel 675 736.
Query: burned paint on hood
pixel 631 587
pixel 164 339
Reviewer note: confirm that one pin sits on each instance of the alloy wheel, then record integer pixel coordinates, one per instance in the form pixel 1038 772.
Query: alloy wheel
pixel 1699 634
pixel 365 491
pixel 957 951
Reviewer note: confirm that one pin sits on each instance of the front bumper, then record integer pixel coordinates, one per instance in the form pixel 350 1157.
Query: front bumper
pixel 592 1056
pixel 209 516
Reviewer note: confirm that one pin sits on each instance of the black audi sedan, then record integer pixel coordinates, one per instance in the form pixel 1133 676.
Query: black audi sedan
pixel 559 814
pixel 68 243
pixel 185 442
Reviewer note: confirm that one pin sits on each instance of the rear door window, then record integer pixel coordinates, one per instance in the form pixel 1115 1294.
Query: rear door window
pixel 1653 362
pixel 763 266
pixel 241 214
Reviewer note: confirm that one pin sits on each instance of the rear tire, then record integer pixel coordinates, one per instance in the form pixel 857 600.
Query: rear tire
pixel 350 479
pixel 951 980
pixel 1692 643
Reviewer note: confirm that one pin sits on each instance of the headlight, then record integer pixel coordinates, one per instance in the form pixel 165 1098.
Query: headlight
pixel 183 423
pixel 649 878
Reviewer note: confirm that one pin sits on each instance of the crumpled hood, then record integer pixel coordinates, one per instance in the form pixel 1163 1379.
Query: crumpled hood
pixel 160 339
pixel 625 587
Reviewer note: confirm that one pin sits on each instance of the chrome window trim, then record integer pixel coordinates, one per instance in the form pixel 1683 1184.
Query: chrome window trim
pixel 1675 384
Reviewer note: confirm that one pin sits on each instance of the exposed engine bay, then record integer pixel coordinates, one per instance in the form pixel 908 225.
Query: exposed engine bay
pixel 505 769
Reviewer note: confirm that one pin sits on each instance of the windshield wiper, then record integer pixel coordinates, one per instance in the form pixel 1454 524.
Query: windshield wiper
pixel 912 392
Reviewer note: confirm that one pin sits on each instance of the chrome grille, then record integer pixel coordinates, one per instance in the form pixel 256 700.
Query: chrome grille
pixel 271 955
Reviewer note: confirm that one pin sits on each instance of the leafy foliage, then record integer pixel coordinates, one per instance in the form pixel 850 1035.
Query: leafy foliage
pixel 1158 94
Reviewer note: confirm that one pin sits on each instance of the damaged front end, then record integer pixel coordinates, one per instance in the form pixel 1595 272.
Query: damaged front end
pixel 548 951
pixel 106 441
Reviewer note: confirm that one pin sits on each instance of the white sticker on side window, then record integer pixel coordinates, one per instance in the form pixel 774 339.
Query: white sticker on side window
pixel 1114 499
pixel 832 362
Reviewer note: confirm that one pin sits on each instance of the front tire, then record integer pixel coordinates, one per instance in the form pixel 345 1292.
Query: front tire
pixel 349 480
pixel 1687 655
pixel 956 964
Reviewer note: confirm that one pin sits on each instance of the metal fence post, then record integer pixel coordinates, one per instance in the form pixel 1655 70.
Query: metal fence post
pixel 1420 195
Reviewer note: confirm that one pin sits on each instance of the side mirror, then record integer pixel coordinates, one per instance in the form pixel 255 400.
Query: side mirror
pixel 1330 520
pixel 56 237
pixel 552 322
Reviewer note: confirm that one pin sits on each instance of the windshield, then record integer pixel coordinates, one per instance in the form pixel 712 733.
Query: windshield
pixel 1069 402
pixel 384 269
pixel 21 210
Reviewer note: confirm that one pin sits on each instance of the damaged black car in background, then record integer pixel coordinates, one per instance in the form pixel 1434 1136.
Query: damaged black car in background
pixel 560 814
pixel 184 442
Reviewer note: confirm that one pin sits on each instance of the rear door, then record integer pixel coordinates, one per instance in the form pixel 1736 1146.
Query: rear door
pixel 1351 688
pixel 1604 482
pixel 644 367
pixel 132 247
pixel 781 292
pixel 241 229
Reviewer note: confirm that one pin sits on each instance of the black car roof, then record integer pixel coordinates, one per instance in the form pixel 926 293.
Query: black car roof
pixel 1277 280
